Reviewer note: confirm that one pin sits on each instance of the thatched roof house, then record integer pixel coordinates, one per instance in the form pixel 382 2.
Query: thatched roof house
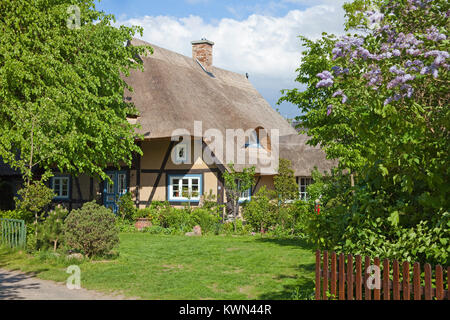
pixel 174 91
pixel 176 94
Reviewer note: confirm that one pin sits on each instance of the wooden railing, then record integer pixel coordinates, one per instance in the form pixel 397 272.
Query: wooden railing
pixel 12 233
pixel 347 280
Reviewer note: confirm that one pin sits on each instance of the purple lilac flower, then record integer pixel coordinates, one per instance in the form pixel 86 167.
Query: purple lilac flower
pixel 338 70
pixel 329 109
pixel 364 53
pixel 324 83
pixel 396 70
pixel 327 79
pixel 324 75
pixel 346 44
pixel 434 35
pixel 440 56
pixel 413 52
pixel 337 52
pixel 374 76
pixel 396 52
pixel 400 80
pixel 340 93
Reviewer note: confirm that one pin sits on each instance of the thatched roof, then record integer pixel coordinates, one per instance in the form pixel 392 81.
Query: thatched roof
pixel 174 91
pixel 303 156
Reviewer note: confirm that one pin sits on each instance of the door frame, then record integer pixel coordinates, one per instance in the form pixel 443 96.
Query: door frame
pixel 116 194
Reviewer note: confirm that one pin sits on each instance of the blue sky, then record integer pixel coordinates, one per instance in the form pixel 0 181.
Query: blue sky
pixel 210 10
pixel 259 37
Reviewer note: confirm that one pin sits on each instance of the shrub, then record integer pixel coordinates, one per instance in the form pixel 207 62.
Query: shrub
pixel 176 218
pixel 34 197
pixel 260 212
pixel 206 219
pixel 91 230
pixel 50 233
pixel 155 212
pixel 17 214
pixel 125 225
pixel 127 210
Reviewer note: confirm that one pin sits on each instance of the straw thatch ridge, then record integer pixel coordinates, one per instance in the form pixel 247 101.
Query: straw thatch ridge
pixel 174 91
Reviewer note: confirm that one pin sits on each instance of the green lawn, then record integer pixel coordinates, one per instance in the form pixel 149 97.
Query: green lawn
pixel 179 267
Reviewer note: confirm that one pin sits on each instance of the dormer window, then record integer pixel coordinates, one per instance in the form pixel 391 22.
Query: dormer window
pixel 181 153
pixel 253 140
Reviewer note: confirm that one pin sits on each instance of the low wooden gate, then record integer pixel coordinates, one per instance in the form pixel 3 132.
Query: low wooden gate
pixel 338 279
pixel 13 233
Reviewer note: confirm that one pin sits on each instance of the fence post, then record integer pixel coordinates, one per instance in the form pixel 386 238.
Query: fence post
pixel 325 275
pixel 406 291
pixel 349 277
pixel 428 288
pixel 333 275
pixel 439 283
pixel 317 275
pixel 416 282
pixel 367 291
pixel 358 278
pixel 341 277
pixel 395 280
pixel 376 291
pixel 386 289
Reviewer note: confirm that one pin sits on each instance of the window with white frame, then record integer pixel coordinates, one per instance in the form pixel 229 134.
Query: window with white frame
pixel 303 183
pixel 185 188
pixel 122 183
pixel 109 185
pixel 60 186
pixel 181 153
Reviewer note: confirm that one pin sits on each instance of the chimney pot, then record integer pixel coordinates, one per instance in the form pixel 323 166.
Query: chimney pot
pixel 202 50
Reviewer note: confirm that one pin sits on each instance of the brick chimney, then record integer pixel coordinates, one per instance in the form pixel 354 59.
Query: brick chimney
pixel 202 51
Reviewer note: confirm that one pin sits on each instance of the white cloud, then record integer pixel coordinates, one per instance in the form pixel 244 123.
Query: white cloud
pixel 266 47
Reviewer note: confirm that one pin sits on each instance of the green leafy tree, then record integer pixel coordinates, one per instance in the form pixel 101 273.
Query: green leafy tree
pixel 285 183
pixel 235 184
pixel 32 199
pixel 62 87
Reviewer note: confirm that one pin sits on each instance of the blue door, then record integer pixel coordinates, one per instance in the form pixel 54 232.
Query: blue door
pixel 113 192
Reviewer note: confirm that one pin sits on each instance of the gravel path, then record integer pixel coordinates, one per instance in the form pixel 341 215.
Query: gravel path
pixel 16 285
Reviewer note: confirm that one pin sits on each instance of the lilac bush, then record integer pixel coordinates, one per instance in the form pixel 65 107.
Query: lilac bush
pixel 378 101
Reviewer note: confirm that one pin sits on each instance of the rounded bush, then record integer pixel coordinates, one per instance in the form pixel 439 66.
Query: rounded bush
pixel 91 230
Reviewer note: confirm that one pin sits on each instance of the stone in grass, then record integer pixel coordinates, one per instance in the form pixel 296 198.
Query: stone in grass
pixel 196 231
pixel 77 256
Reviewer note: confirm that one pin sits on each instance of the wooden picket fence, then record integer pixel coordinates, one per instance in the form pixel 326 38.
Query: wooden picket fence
pixel 13 233
pixel 336 279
